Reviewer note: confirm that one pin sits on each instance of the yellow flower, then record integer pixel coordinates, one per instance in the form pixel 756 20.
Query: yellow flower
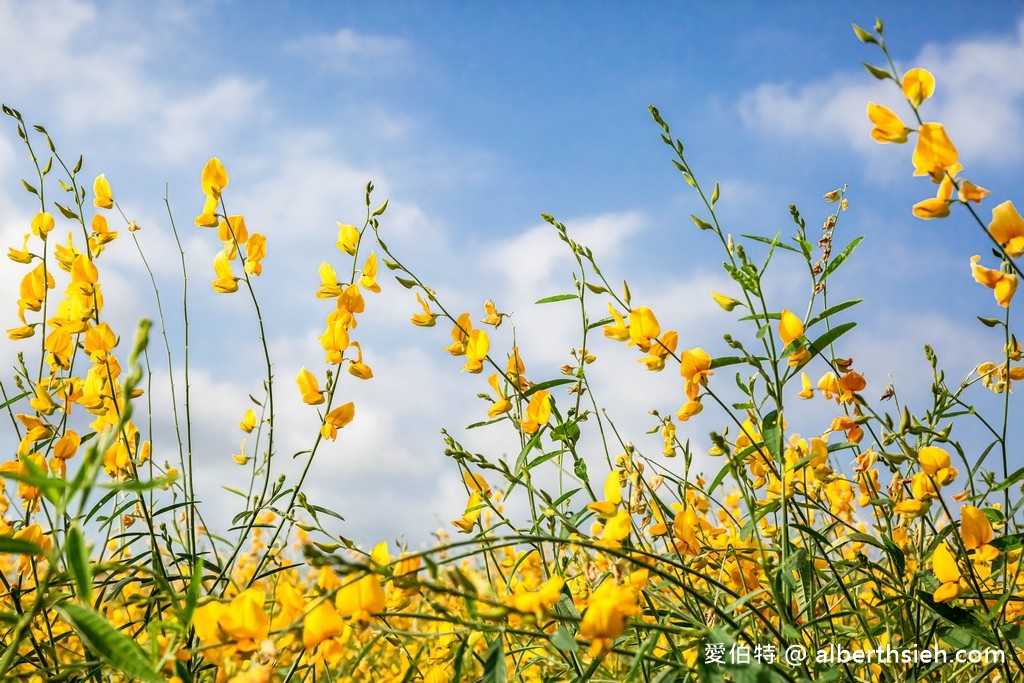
pixel 935 462
pixel 226 282
pixel 618 330
pixel 241 458
pixel 248 422
pixel 474 506
pixel 538 412
pixel 727 303
pixel 329 286
pixel 42 224
pixel 975 529
pixel 918 86
pixel 255 252
pixel 945 570
pixel 322 622
pixel 426 318
pixel 790 327
pixel 618 528
pixel 607 610
pixel 1007 228
pixel 460 334
pixel 659 351
pixel 103 197
pixel 612 497
pixel 537 603
pixel 336 419
pixel 215 178
pixel 311 393
pixel 695 367
pixel 20 255
pixel 348 238
pixel 1003 284
pixel 477 347
pixel 502 405
pixel 643 327
pixel 361 598
pixel 358 368
pixel 888 126
pixel 934 153
pixel 368 280
pixel 806 391
pixel 689 409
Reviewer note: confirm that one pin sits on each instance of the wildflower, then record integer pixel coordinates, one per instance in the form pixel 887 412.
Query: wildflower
pixel 226 282
pixel 727 303
pixel 975 529
pixel 1007 228
pixel 617 330
pixel 538 412
pixel 255 252
pixel 689 409
pixel 935 462
pixel 214 178
pixel 334 340
pixel 1003 284
pixel 849 384
pixel 612 497
pixel 357 367
pixel 426 318
pixel 695 367
pixel 617 529
pixel 659 351
pixel 805 382
pixel 790 327
pixel 938 207
pixel 643 327
pixel 322 622
pixel 945 570
pixel 477 347
pixel 311 393
pixel 368 280
pixel 538 602
pixel 607 610
pixel 20 255
pixel 474 506
pixel 42 224
pixel 888 126
pixel 934 154
pixel 241 458
pixel 360 599
pixel 348 238
pixel 460 335
pixel 336 419
pixel 248 422
pixel 502 405
pixel 103 197
pixel 492 317
pixel 918 85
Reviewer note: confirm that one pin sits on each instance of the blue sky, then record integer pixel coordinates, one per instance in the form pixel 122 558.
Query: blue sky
pixel 473 118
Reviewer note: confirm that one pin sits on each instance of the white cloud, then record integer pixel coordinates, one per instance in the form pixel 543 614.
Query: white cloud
pixel 979 98
pixel 351 53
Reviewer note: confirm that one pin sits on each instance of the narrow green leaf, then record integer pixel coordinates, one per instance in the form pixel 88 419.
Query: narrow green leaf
pixel 543 386
pixel 76 551
pixel 714 195
pixel 113 647
pixel 9 544
pixel 68 213
pixel 380 209
pixel 563 641
pixel 863 36
pixel 880 74
pixel 494 663
pixel 989 322
pixel 195 587
pixel 838 260
pixel 773 242
pixel 724 361
pixel 30 188
pixel 405 282
pixel 557 297
pixel 702 224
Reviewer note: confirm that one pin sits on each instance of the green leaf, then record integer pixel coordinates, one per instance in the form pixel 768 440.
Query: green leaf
pixel 824 340
pixel 989 322
pixel 77 553
pixel 405 282
pixel 1009 481
pixel 724 361
pixel 30 188
pixel 863 36
pixel 714 195
pixel 880 74
pixel 547 385
pixel 9 544
pixel 494 663
pixel 773 242
pixel 838 260
pixel 195 587
pixel 563 641
pixel 113 647
pixel 832 310
pixel 557 297
pixel 702 224
pixel 380 209
pixel 68 213
pixel 596 289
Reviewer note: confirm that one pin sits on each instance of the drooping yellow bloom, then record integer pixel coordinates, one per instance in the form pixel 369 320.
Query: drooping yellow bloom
pixel 226 282
pixel 1003 284
pixel 618 330
pixel 607 610
pixel 945 570
pixel 975 529
pixel 689 409
pixel 617 529
pixel 643 327
pixel 20 255
pixel 918 85
pixel 358 368
pixel 368 280
pixel 477 347
pixel 934 153
pixel 248 422
pixel 426 318
pixel 321 623
pixel 659 350
pixel 612 497
pixel 215 178
pixel 348 238
pixel 538 412
pixel 334 340
pixel 42 224
pixel 538 602
pixel 336 419
pixel 502 405
pixel 1007 228
pixel 492 316
pixel 790 327
pixel 460 335
pixel 329 285
pixel 361 598
pixel 726 302
pixel 695 367
pixel 255 252
pixel 939 206
pixel 240 458
pixel 309 388
pixel 935 462
pixel 805 382
pixel 888 126
pixel 103 198
pixel 474 506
